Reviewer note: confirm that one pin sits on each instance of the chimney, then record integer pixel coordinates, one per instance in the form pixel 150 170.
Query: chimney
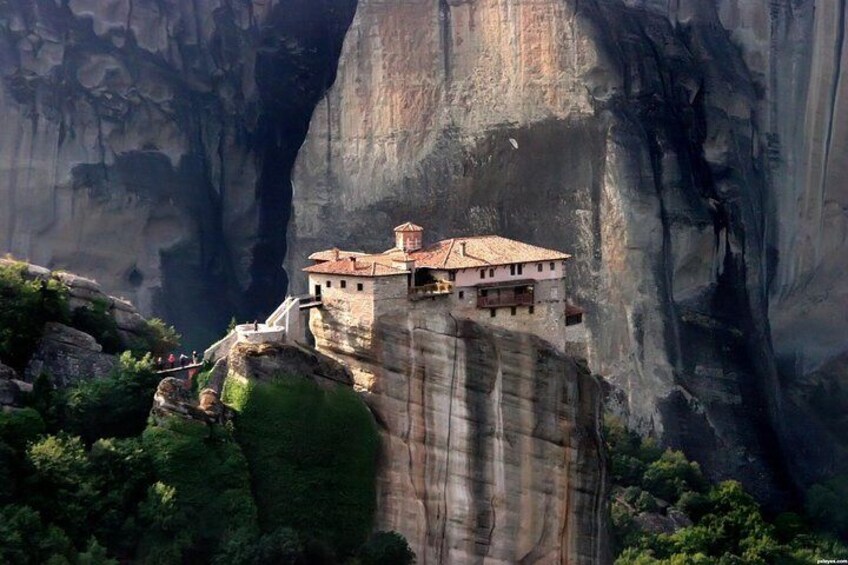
pixel 335 253
pixel 462 248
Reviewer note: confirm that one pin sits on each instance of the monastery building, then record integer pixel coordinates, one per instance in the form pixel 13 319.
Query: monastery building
pixel 488 279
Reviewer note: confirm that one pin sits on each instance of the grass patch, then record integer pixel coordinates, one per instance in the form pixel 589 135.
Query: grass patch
pixel 312 455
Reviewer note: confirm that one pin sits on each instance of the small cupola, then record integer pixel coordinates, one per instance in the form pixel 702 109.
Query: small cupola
pixel 408 237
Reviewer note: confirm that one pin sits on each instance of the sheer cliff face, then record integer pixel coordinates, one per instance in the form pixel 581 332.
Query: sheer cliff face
pixel 148 143
pixel 687 153
pixel 490 441
pixel 638 151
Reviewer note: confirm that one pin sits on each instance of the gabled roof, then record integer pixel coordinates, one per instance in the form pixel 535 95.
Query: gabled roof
pixel 482 251
pixel 449 254
pixel 408 226
pixel 334 254
pixel 364 266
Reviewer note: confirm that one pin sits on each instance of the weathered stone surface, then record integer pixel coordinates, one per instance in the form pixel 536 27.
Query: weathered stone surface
pixel 656 523
pixel 67 356
pixel 173 398
pixel 10 393
pixel 265 362
pixel 149 143
pixel 676 149
pixel 491 445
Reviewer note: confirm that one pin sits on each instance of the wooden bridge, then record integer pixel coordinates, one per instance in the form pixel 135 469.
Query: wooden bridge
pixel 179 369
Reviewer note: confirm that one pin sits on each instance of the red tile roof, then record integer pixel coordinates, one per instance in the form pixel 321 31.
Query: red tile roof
pixel 334 254
pixel 356 267
pixel 409 226
pixel 449 254
pixel 482 251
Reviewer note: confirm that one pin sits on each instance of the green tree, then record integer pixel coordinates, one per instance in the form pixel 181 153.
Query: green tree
pixel 97 322
pixel 25 306
pixel 25 539
pixel 160 338
pixel 386 548
pixel 60 484
pixel 671 475
pixel 115 406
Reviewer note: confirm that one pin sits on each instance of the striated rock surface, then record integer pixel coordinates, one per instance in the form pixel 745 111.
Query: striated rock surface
pixel 687 153
pixel 491 441
pixel 68 356
pixel 148 143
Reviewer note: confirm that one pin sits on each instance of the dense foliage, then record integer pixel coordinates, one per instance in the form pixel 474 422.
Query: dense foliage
pixel 25 306
pixel 714 524
pixel 312 454
pixel 116 406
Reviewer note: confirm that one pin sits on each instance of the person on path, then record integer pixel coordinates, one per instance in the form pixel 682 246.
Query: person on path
pixel 255 325
pixel 194 358
pixel 183 360
pixel 160 363
pixel 171 360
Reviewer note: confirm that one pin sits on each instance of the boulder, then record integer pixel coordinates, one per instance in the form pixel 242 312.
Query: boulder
pixel 173 398
pixel 268 361
pixel 68 356
pixel 10 393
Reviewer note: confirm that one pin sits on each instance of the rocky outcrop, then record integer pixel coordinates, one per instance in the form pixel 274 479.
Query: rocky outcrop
pixel 266 362
pixel 10 394
pixel 173 399
pixel 88 293
pixel 684 152
pixel 490 439
pixel 148 143
pixel 68 356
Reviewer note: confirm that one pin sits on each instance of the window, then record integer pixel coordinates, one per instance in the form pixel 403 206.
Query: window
pixel 484 292
pixel 512 311
pixel 553 267
pixel 329 284
pixel 452 275
pixel 492 313
pixel 482 273
pixel 461 294
pixel 531 309
pixel 359 287
pixel 512 270
pixel 344 284
pixel 520 269
pixel 539 267
pixel 491 272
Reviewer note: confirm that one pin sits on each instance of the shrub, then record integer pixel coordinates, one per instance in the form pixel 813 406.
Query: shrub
pixel 160 339
pixel 386 548
pixel 25 306
pixel 26 539
pixel 203 497
pixel 312 455
pixel 671 475
pixel 99 324
pixel 115 406
pixel 826 505
pixel 60 484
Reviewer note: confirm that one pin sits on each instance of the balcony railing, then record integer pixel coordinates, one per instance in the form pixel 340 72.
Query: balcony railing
pixel 496 301
pixel 425 291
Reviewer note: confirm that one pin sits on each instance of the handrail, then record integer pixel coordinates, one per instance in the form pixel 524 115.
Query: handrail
pixel 439 287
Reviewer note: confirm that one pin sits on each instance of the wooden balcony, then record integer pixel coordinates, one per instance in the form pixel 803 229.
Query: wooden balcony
pixel 440 288
pixel 495 299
